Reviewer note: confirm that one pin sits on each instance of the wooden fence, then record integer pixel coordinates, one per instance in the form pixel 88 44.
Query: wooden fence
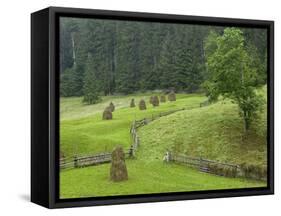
pixel 142 122
pixel 219 168
pixel 204 165
pixel 90 160
pixel 66 163
pixel 105 157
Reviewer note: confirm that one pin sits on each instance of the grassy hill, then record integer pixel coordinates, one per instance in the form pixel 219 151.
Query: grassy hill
pixel 83 131
pixel 214 132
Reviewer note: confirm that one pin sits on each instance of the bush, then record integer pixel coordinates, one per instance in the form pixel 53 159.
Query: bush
pixel 162 98
pixel 142 105
pixel 132 104
pixel 172 96
pixel 112 107
pixel 155 101
pixel 91 98
pixel 107 114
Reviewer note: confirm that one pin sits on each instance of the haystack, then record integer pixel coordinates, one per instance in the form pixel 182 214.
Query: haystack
pixel 118 169
pixel 132 104
pixel 142 105
pixel 151 99
pixel 112 107
pixel 107 114
pixel 155 101
pixel 172 96
pixel 162 98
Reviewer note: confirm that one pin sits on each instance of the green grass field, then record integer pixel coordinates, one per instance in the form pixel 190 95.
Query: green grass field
pixel 214 132
pixel 89 134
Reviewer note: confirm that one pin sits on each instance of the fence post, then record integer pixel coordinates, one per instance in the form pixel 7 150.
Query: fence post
pixel 167 158
pixel 145 121
pixel 75 161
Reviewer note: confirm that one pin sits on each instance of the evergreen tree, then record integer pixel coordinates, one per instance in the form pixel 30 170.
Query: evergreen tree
pixel 91 88
pixel 183 64
pixel 131 56
pixel 166 66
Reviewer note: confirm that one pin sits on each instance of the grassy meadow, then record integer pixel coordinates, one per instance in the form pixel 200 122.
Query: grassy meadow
pixel 213 132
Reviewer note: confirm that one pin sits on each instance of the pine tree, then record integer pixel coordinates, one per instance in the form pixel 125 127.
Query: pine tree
pixel 183 68
pixel 167 64
pixel 91 87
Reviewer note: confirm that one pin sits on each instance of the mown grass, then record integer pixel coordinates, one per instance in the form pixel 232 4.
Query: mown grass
pixel 90 134
pixel 144 178
pixel 214 132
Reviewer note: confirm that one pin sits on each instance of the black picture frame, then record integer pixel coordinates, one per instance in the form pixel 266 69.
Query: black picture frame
pixel 45 106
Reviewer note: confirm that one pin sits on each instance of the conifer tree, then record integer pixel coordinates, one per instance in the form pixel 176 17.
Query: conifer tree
pixel 91 87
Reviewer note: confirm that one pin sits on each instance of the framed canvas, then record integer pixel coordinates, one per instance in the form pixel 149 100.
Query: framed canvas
pixel 138 107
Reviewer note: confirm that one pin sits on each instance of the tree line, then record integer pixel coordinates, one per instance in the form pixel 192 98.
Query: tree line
pixel 105 57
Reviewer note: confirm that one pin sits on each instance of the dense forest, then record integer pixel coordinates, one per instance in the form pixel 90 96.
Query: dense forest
pixel 105 57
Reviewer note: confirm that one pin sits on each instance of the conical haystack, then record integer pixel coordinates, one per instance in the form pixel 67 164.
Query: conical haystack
pixel 107 114
pixel 112 107
pixel 155 101
pixel 151 99
pixel 142 105
pixel 162 98
pixel 132 104
pixel 172 96
pixel 118 169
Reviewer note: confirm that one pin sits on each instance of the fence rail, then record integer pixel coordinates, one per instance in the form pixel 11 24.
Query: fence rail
pixel 90 160
pixel 142 122
pixel 219 168
pixel 205 165
pixel 105 157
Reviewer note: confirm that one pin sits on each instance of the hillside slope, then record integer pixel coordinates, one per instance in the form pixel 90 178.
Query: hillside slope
pixel 82 130
pixel 213 132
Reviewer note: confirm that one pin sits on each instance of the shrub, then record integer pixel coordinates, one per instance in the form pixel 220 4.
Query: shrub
pixel 132 104
pixel 162 98
pixel 142 105
pixel 107 114
pixel 172 96
pixel 118 169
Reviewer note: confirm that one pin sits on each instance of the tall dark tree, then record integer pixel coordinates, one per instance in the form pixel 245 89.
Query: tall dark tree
pixel 131 56
pixel 91 88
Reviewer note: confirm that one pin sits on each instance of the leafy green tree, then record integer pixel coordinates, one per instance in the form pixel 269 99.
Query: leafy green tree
pixel 232 75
